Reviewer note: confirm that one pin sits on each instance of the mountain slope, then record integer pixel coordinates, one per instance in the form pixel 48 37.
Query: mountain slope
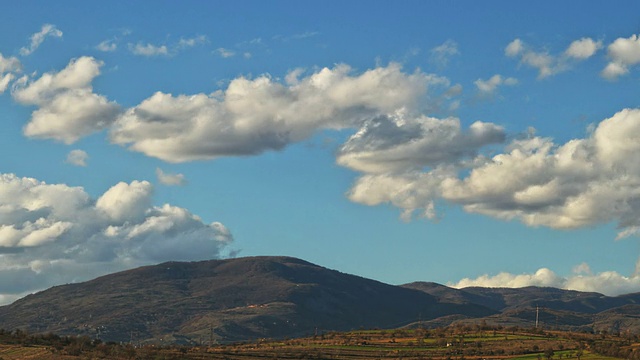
pixel 227 300
pixel 556 308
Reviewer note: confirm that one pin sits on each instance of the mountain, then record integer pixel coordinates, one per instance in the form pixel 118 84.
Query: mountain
pixel 225 300
pixel 555 308
pixel 277 297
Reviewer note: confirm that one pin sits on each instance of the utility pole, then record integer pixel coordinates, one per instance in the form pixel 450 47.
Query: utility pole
pixel 537 311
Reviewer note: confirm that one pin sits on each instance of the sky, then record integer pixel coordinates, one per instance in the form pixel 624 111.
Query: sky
pixel 461 142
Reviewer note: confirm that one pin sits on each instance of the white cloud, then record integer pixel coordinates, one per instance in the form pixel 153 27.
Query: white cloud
pixel 489 86
pixel 191 42
pixel 583 182
pixel 47 30
pixel 583 48
pixel 624 53
pixel 77 157
pixel 4 82
pixel 582 268
pixel 148 49
pixel 514 48
pixel 170 179
pixel 8 66
pixel 67 107
pixel 52 233
pixel 225 53
pixel 609 282
pixel 392 143
pixel 548 64
pixel 580 183
pixel 11 64
pixel 441 54
pixel 613 70
pixel 253 116
pixel 107 45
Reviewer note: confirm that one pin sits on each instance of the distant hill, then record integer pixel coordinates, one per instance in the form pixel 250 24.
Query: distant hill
pixel 560 309
pixel 277 297
pixel 228 300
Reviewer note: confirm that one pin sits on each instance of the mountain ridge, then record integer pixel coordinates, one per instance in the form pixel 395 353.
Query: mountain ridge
pixel 277 296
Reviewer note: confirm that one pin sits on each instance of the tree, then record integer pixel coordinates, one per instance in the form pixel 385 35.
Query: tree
pixel 548 353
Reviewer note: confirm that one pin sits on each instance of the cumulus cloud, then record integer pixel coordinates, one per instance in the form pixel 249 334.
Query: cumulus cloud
pixel 548 64
pixel 609 282
pixel 47 30
pixel 441 54
pixel 392 143
pixel 255 115
pixel 54 233
pixel 68 109
pixel 489 86
pixel 583 48
pixel 580 183
pixel 170 179
pixel 77 157
pixel 623 53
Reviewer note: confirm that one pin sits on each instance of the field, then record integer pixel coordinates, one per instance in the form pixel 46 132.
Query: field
pixel 452 343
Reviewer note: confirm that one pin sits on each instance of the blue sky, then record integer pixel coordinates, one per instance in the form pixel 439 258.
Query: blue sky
pixel 465 143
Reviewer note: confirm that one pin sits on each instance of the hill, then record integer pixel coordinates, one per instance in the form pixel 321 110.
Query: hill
pixel 224 300
pixel 279 297
pixel 556 308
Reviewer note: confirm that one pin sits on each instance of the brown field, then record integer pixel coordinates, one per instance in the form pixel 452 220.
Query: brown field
pixel 452 343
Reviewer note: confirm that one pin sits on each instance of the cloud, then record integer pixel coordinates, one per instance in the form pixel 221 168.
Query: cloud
pixel 151 50
pixel 4 82
pixel 54 233
pixel 67 107
pixel 11 64
pixel 185 43
pixel 170 179
pixel 255 115
pixel 489 86
pixel 548 64
pixel 8 66
pixel 77 157
pixel 609 283
pixel 399 143
pixel 624 53
pixel 580 183
pixel 109 45
pixel 225 53
pixel 583 48
pixel 582 268
pixel 514 48
pixel 47 30
pixel 148 50
pixel 441 54
pixel 283 38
